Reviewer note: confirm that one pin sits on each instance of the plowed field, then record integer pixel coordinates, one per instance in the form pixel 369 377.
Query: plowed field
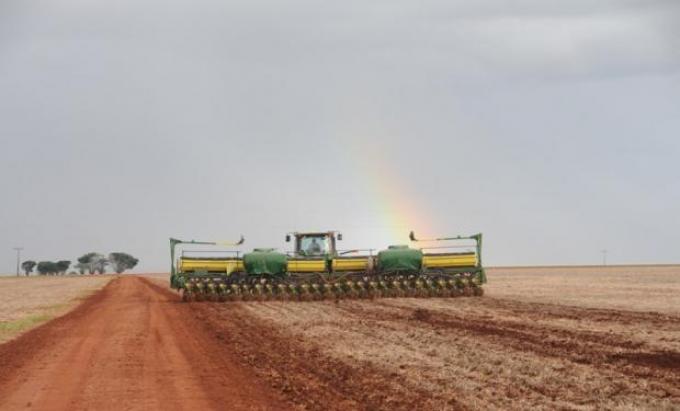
pixel 133 345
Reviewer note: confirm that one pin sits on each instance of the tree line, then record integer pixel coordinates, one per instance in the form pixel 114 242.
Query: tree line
pixel 90 263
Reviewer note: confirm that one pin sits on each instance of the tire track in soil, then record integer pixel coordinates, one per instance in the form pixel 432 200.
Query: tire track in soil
pixel 542 311
pixel 305 375
pixel 611 354
pixel 390 316
pixel 601 350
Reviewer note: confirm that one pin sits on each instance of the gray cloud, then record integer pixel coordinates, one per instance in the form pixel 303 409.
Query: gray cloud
pixel 551 126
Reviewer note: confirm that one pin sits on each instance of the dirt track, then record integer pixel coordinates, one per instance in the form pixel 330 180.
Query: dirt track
pixel 134 346
pixel 128 347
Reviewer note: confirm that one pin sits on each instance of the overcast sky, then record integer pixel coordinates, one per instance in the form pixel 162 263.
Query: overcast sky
pixel 553 127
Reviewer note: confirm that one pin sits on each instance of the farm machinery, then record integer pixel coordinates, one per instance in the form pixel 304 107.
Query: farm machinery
pixel 316 269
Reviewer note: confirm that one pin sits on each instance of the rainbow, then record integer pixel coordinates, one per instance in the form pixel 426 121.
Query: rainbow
pixel 396 209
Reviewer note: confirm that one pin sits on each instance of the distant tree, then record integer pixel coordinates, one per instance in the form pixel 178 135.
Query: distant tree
pixel 43 267
pixel 94 262
pixel 122 262
pixel 54 268
pixel 99 263
pixel 47 267
pixel 86 261
pixel 28 266
pixel 62 266
pixel 81 267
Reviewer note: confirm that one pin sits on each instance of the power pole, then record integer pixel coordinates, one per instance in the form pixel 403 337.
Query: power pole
pixel 604 257
pixel 18 250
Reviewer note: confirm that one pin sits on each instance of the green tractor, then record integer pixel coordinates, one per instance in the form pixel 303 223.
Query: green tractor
pixel 316 269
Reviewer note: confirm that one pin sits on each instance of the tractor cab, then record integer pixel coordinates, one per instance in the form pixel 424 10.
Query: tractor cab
pixel 315 244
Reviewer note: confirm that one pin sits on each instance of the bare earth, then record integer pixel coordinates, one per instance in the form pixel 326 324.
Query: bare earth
pixel 130 346
pixel 558 338
pixel 642 288
pixel 29 301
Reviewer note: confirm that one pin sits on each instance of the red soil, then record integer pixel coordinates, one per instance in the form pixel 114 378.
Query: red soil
pixel 130 346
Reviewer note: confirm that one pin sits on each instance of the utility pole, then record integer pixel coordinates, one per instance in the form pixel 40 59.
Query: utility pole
pixel 604 257
pixel 18 250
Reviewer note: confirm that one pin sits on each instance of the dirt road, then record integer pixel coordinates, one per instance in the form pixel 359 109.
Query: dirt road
pixel 129 347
